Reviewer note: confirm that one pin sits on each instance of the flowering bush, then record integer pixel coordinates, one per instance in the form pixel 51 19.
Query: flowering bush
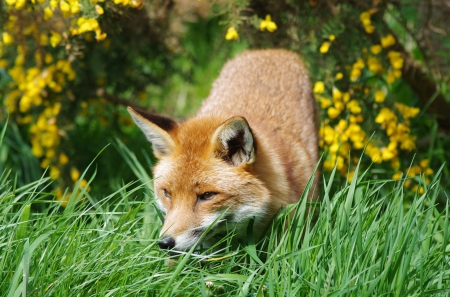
pixel 362 104
pixel 41 41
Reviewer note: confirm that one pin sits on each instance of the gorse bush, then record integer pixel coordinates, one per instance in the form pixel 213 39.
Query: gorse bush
pixel 347 121
pixel 40 49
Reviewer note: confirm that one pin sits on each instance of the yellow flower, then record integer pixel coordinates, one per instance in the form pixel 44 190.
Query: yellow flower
pixel 331 37
pixel 379 96
pixel 397 176
pixel 342 125
pixel 340 163
pixel 364 17
pixel 395 163
pixel 346 97
pixel 337 95
pixel 99 9
pixel 25 103
pixel 63 159
pixel 55 111
pixel 328 165
pixel 37 151
pixel 99 35
pixel 350 176
pixel 324 102
pixel 408 144
pixel 62 199
pixel 48 13
pixel 416 188
pixel 327 134
pixel 374 153
pixel 74 7
pixel 333 112
pixel 339 76
pixel 231 34
pixel 19 4
pixel 43 39
pixel 55 39
pixel 407 112
pixel 334 147
pixel 7 38
pixel 88 25
pixel 429 171
pixel 319 87
pixel 374 65
pixel 267 24
pixel 414 170
pixel 74 174
pixel 354 107
pixel 387 41
pixel 64 6
pixel 83 183
pixel 375 49
pixel 407 183
pixel 385 116
pixel 359 64
pixel 48 58
pixel 3 63
pixel 397 63
pixel 424 163
pixel 54 172
pixel 386 154
pixel 369 29
pixel 390 78
pixel 392 146
pixel 324 47
pixel 397 73
pixel 339 105
pixel 50 153
pixel 45 163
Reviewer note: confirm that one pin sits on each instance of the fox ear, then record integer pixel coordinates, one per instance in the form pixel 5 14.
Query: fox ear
pixel 156 129
pixel 234 142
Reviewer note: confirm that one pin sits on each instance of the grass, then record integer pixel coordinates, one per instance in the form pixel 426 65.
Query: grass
pixel 364 242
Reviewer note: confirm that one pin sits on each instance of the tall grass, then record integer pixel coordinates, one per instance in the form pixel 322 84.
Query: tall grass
pixel 362 242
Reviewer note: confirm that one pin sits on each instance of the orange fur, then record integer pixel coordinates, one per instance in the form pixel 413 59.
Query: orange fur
pixel 253 144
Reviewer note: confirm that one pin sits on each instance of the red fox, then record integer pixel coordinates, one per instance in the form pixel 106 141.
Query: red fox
pixel 249 151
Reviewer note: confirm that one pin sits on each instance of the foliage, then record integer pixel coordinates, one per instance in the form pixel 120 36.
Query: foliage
pixel 363 242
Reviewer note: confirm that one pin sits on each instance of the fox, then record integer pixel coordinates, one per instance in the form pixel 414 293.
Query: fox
pixel 249 151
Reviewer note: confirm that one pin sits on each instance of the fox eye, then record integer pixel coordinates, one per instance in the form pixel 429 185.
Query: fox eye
pixel 166 193
pixel 206 196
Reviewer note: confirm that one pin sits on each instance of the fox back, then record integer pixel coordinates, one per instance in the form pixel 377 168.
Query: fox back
pixel 250 150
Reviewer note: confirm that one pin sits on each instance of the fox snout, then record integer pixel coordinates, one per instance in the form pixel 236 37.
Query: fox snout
pixel 166 243
pixel 179 242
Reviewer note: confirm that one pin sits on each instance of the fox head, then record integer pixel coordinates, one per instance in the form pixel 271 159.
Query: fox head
pixel 204 176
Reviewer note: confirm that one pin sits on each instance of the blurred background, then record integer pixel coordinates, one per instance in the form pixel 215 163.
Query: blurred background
pixel 68 69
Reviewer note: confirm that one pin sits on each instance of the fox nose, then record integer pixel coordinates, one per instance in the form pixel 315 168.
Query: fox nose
pixel 167 243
